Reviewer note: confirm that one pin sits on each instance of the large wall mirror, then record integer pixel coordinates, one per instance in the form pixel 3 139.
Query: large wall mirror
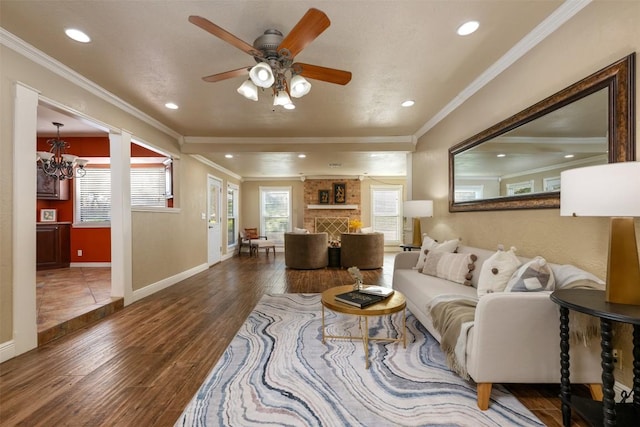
pixel 516 164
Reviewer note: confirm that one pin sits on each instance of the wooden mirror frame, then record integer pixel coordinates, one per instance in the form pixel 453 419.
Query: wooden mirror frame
pixel 618 77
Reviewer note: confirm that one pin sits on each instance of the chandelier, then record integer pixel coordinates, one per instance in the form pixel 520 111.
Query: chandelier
pixel 57 163
pixel 275 70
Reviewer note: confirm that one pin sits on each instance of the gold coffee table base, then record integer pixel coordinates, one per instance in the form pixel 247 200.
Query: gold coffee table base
pixel 393 304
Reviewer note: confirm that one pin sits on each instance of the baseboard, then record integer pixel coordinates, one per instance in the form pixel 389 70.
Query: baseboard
pixel 7 351
pixel 165 283
pixel 90 264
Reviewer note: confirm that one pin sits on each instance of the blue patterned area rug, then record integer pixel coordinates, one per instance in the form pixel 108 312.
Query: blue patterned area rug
pixel 277 371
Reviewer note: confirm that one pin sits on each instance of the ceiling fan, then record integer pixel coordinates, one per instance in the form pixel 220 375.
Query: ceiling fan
pixel 274 54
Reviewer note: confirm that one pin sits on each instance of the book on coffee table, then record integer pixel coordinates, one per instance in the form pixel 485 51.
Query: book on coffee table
pixel 358 299
pixel 377 290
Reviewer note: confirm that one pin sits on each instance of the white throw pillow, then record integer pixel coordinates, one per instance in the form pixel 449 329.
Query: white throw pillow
pixel 300 230
pixel 496 271
pixel 428 244
pixel 533 276
pixel 366 230
pixel 457 268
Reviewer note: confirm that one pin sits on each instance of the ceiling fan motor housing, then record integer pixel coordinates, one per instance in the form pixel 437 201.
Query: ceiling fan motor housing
pixel 268 44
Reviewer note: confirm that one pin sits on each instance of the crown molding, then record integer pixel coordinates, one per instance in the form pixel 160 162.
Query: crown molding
pixel 216 166
pixel 402 139
pixel 562 14
pixel 30 52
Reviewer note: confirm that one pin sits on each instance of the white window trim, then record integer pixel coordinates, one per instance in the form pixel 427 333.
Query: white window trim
pixel 400 225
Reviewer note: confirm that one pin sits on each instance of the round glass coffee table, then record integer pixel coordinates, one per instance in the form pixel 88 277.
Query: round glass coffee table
pixel 388 306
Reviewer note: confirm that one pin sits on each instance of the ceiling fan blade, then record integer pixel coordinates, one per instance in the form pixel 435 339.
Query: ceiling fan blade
pixel 223 34
pixel 227 75
pixel 325 74
pixel 310 26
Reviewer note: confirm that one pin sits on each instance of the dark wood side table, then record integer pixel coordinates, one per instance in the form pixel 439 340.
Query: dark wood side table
pixel 334 257
pixel 409 247
pixel 607 412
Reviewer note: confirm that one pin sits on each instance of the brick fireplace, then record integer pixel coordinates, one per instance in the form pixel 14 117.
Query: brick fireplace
pixel 313 207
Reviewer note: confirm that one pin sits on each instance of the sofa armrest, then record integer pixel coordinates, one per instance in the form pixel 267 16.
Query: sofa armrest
pixel 516 338
pixel 405 260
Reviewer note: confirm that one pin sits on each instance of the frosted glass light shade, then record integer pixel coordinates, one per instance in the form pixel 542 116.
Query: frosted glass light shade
pixel 248 90
pixel 604 190
pixel 418 208
pixel 82 162
pixel 281 98
pixel 45 155
pixel 261 75
pixel 299 86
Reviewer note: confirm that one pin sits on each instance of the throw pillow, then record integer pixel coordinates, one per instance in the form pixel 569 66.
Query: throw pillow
pixel 457 268
pixel 366 230
pixel 534 276
pixel 251 233
pixel 428 244
pixel 496 271
pixel 300 230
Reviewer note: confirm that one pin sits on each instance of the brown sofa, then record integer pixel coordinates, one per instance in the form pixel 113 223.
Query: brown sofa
pixel 363 250
pixel 306 251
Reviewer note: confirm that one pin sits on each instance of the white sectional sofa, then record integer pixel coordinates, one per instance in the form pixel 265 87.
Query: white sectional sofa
pixel 515 337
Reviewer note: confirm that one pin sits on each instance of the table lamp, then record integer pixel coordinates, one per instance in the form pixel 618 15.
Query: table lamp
pixel 611 190
pixel 417 209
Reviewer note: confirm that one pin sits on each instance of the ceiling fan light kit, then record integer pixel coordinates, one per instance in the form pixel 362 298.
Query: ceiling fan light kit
pixel 274 55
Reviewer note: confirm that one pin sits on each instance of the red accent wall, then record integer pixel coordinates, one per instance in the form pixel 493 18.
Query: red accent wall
pixel 95 243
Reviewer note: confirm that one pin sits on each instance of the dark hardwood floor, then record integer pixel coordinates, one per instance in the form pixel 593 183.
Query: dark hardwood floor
pixel 141 365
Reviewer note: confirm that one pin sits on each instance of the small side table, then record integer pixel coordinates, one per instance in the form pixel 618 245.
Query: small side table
pixel 334 257
pixel 409 247
pixel 607 412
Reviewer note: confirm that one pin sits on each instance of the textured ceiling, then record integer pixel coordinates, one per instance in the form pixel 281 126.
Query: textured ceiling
pixel 147 53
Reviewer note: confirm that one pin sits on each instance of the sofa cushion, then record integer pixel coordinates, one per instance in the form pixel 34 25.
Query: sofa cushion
pixel 457 268
pixel 300 230
pixel 428 244
pixel 496 271
pixel 422 288
pixel 534 276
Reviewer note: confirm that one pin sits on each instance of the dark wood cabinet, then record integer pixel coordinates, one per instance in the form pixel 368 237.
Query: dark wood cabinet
pixel 53 246
pixel 51 188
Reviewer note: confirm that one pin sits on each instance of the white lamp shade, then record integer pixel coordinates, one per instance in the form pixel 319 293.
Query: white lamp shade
pixel 248 90
pixel 611 190
pixel 262 75
pixel 82 162
pixel 418 208
pixel 281 98
pixel 69 158
pixel 45 155
pixel 299 86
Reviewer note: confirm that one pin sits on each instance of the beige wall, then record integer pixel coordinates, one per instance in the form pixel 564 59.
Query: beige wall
pixel 597 36
pixel 163 244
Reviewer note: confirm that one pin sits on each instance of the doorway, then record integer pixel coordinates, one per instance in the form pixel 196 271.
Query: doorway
pixel 214 220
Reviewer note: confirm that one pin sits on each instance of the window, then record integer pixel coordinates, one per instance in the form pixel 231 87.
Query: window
pixel 385 212
pixel 463 193
pixel 275 212
pixel 150 182
pixel 232 214
pixel 93 196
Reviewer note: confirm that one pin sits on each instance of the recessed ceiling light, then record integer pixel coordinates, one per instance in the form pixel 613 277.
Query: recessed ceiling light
pixel 289 107
pixel 228 156
pixel 408 103
pixel 77 35
pixel 501 155
pixel 302 156
pixel 171 106
pixel 468 28
pixel 568 156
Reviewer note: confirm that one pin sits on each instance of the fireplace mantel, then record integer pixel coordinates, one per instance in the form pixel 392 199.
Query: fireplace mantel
pixel 332 206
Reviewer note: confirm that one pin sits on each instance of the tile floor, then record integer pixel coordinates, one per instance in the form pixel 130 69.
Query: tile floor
pixel 69 298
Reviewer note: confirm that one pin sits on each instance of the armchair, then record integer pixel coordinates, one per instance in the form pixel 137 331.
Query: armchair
pixel 249 238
